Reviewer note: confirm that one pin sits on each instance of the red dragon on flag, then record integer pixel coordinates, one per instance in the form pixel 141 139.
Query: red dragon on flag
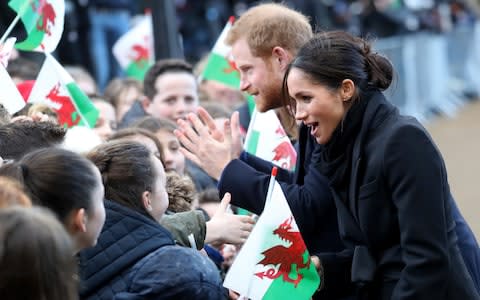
pixel 284 151
pixel 141 52
pixel 43 21
pixel 67 113
pixel 232 67
pixel 47 15
pixel 286 257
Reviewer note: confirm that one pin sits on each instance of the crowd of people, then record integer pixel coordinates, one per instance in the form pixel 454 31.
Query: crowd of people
pixel 145 205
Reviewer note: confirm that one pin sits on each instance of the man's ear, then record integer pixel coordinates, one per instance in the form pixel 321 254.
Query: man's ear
pixel 281 56
pixel 145 101
pixel 79 220
pixel 147 200
pixel 347 90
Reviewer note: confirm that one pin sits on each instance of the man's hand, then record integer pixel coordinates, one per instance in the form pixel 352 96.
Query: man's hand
pixel 206 145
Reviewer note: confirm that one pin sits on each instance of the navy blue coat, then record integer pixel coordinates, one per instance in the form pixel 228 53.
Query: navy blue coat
pixel 136 258
pixel 398 217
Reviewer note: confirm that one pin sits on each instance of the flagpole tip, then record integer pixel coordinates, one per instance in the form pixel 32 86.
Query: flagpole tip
pixel 274 171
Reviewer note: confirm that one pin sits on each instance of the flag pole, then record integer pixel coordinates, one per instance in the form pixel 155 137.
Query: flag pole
pixel 246 145
pixel 271 185
pixel 9 29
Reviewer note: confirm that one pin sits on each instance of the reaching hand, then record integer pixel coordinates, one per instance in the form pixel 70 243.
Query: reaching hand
pixel 206 145
pixel 225 227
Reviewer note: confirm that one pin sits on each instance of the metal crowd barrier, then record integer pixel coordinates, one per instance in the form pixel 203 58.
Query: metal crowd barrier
pixel 433 72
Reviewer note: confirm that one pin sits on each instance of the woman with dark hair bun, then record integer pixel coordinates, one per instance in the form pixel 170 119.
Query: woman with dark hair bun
pixel 388 179
pixel 66 183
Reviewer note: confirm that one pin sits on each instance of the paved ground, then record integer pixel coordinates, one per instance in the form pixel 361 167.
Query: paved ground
pixel 459 141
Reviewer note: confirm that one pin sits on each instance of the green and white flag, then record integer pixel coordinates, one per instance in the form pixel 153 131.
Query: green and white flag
pixel 43 22
pixel 134 50
pixel 56 88
pixel 220 66
pixel 267 139
pixel 9 95
pixel 274 262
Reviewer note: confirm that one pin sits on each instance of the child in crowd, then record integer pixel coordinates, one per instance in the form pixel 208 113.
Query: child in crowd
pixel 122 93
pixel 106 122
pixel 135 255
pixel 174 159
pixel 66 183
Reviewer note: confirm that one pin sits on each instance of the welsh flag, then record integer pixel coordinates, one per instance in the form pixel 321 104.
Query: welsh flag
pixel 220 66
pixel 56 88
pixel 43 22
pixel 267 139
pixel 134 50
pixel 9 95
pixel 274 262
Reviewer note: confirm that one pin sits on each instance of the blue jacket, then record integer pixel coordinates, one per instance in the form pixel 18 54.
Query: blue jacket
pixel 135 258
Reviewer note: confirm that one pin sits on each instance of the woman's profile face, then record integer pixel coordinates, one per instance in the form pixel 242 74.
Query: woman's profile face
pixel 174 159
pixel 159 199
pixel 316 106
pixel 96 213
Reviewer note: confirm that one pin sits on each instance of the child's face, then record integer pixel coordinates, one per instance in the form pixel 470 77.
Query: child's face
pixel 106 122
pixel 178 96
pixel 173 158
pixel 126 100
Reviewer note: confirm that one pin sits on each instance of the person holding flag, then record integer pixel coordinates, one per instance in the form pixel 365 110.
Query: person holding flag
pixel 261 52
pixel 262 62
